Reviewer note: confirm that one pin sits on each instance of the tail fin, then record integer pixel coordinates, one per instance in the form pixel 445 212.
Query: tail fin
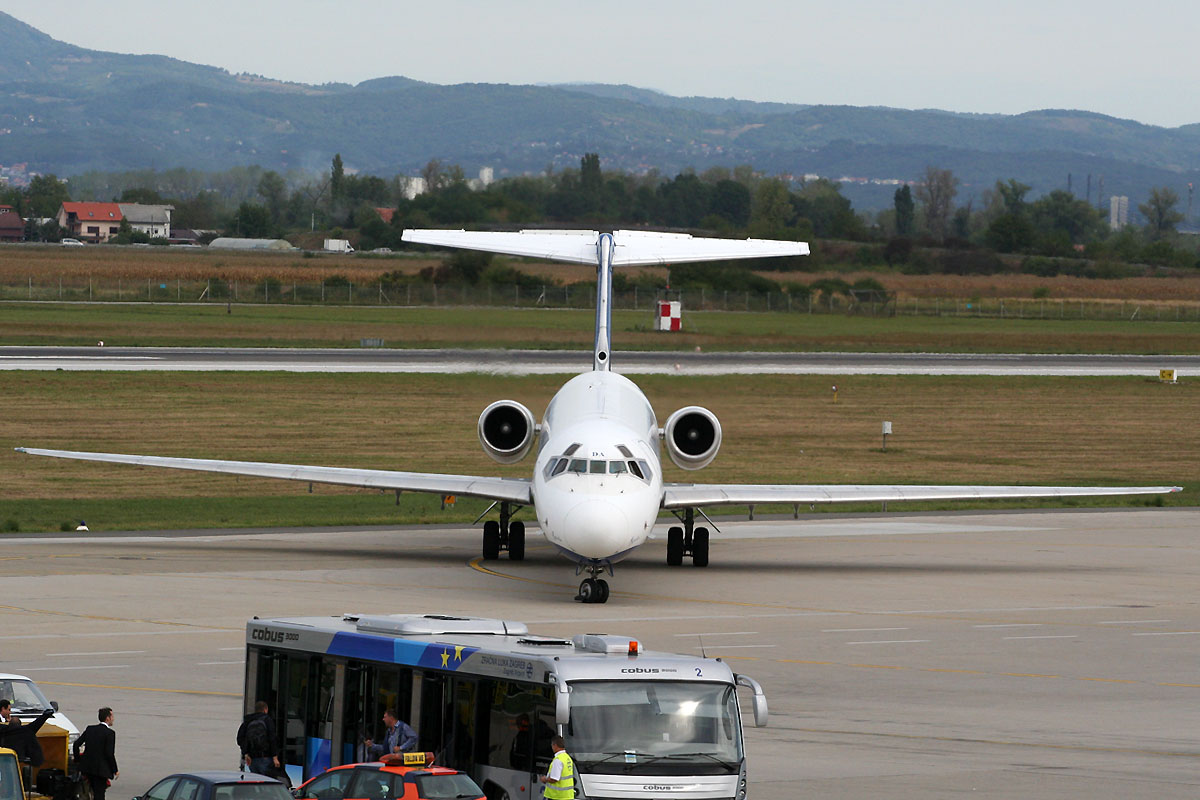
pixel 608 250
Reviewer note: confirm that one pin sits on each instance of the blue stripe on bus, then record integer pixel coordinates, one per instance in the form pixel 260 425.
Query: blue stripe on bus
pixel 396 651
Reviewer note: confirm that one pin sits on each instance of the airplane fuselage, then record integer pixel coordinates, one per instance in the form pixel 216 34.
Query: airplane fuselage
pixel 597 481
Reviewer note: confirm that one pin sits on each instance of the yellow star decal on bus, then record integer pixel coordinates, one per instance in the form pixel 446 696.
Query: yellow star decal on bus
pixel 458 648
pixel 445 658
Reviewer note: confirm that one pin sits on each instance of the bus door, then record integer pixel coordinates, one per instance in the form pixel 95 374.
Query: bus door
pixel 516 726
pixel 432 730
pixel 371 689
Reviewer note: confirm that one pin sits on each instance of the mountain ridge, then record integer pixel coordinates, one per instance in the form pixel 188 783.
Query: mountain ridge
pixel 67 110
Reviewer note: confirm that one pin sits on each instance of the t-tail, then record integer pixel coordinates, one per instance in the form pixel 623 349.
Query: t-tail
pixel 602 348
pixel 606 251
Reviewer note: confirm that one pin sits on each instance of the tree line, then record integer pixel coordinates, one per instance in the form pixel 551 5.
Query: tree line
pixel 924 230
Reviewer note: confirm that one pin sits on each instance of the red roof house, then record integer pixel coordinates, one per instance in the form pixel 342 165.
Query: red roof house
pixel 90 222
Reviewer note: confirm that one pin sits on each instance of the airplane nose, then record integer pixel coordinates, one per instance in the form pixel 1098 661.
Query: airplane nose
pixel 598 529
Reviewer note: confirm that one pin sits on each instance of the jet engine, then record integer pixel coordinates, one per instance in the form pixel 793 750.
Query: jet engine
pixel 693 436
pixel 506 431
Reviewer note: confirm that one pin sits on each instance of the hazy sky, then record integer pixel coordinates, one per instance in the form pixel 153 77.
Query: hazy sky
pixel 1136 60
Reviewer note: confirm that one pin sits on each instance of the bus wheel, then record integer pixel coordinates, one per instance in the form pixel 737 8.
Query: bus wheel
pixel 491 540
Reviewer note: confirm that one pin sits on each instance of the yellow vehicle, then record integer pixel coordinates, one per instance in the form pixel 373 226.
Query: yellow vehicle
pixel 10 776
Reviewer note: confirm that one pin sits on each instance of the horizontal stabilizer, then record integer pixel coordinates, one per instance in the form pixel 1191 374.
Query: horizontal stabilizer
pixel 643 248
pixel 632 248
pixel 576 247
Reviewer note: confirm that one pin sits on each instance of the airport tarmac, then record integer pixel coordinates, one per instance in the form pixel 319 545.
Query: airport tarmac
pixel 543 362
pixel 1008 654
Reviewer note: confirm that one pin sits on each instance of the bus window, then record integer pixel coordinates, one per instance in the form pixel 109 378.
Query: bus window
pixel 616 467
pixel 597 468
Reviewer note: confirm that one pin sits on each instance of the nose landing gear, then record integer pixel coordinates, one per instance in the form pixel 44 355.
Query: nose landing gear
pixel 593 589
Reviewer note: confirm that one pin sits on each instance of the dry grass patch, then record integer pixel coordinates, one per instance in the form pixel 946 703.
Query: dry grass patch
pixel 787 429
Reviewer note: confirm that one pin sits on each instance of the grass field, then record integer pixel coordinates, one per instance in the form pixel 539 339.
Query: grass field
pixel 19 263
pixel 1019 430
pixel 143 324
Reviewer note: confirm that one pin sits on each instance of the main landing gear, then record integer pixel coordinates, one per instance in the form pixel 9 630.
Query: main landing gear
pixel 593 589
pixel 504 535
pixel 687 541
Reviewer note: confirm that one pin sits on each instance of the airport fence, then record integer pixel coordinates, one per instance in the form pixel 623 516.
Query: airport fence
pixel 345 293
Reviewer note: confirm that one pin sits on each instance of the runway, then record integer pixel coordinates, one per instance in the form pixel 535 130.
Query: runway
pixel 1013 654
pixel 528 362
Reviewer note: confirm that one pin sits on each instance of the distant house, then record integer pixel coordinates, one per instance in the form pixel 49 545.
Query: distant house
pixel 232 243
pixel 90 222
pixel 153 220
pixel 12 227
pixel 386 214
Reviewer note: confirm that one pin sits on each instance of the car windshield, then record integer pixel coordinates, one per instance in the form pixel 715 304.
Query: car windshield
pixel 447 787
pixel 654 727
pixel 251 791
pixel 23 694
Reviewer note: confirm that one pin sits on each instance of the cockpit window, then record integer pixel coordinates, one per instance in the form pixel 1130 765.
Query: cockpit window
pixel 645 468
pixel 557 465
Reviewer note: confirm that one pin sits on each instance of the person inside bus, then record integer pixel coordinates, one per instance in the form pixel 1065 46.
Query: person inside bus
pixel 399 737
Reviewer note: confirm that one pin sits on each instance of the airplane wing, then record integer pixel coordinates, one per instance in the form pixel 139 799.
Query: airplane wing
pixel 516 490
pixel 683 495
pixel 631 248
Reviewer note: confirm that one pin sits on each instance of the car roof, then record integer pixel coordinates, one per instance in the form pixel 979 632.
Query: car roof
pixel 223 776
pixel 398 769
pixel 9 676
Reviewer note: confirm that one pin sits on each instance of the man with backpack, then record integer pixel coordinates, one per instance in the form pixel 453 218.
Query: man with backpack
pixel 256 738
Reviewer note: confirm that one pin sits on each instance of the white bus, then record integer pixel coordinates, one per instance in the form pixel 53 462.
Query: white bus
pixel 485 696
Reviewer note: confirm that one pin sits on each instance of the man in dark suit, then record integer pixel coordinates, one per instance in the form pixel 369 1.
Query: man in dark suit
pixel 95 753
pixel 22 738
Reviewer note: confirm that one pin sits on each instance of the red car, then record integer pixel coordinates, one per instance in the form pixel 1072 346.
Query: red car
pixel 411 776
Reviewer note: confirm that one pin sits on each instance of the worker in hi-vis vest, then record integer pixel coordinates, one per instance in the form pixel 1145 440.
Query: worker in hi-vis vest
pixel 560 780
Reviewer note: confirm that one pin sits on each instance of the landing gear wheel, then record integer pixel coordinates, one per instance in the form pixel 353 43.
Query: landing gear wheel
pixel 491 540
pixel 516 541
pixel 593 590
pixel 587 591
pixel 700 547
pixel 674 546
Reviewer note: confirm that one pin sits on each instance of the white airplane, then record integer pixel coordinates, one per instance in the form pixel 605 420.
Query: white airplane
pixel 597 484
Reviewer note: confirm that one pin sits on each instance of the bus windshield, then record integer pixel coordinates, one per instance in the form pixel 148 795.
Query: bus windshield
pixel 654 727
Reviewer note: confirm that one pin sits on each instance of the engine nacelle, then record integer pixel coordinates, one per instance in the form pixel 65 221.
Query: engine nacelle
pixel 693 436
pixel 506 431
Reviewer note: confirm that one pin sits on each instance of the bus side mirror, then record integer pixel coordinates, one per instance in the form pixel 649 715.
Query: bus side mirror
pixel 562 706
pixel 760 699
